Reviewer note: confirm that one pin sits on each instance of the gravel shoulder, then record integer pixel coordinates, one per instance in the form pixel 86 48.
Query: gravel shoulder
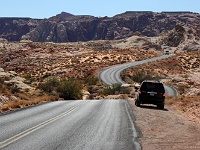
pixel 165 129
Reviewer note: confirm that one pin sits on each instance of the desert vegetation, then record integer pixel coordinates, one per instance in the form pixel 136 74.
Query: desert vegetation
pixel 21 103
pixel 181 71
pixel 70 70
pixel 62 70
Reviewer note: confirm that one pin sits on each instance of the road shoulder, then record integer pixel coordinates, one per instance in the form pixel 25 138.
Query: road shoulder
pixel 165 129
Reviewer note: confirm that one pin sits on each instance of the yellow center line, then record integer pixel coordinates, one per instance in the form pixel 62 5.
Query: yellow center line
pixel 37 127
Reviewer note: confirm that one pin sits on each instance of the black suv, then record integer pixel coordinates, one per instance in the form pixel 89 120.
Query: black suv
pixel 150 92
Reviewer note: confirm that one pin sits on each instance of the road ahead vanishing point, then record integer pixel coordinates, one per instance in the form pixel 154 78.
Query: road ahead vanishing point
pixel 111 75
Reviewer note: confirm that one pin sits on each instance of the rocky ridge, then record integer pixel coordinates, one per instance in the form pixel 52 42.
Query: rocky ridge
pixel 66 27
pixel 12 29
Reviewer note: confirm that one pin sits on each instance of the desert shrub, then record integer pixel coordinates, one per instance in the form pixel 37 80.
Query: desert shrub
pixel 50 85
pixel 126 90
pixel 70 89
pixel 142 75
pixel 65 88
pixel 1 84
pixel 14 89
pixel 29 78
pixel 114 89
pixel 139 76
pixel 91 80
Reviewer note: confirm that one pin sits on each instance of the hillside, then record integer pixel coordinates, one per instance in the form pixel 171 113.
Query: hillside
pixel 27 68
pixel 66 27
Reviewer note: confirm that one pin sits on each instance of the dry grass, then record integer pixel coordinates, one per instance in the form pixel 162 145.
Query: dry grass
pixel 11 105
pixel 188 106
pixel 189 102
pixel 182 99
pixel 170 100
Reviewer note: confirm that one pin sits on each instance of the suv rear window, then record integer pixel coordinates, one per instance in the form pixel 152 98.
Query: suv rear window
pixel 151 86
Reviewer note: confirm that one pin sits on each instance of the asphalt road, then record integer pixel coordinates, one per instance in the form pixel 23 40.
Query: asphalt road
pixel 111 75
pixel 67 125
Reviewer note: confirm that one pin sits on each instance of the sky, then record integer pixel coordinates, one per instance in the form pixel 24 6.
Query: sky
pixel 99 8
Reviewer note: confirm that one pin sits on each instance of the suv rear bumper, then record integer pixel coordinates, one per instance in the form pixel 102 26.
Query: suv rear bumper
pixel 151 100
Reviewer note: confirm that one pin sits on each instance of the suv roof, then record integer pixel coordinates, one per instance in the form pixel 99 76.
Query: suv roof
pixel 154 81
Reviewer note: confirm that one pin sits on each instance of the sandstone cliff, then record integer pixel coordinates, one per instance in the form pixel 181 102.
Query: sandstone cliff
pixel 66 27
pixel 13 29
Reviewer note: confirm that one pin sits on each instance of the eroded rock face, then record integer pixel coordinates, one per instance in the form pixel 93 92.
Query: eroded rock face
pixel 14 81
pixel 13 29
pixel 85 28
pixel 176 36
pixel 66 27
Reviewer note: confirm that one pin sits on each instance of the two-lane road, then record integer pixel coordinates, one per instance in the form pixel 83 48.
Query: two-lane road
pixel 111 75
pixel 67 125
pixel 74 125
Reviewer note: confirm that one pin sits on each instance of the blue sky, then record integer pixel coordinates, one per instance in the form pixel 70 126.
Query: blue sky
pixel 48 8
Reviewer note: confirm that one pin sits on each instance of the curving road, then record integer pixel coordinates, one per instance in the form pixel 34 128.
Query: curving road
pixel 111 75
pixel 70 125
pixel 74 125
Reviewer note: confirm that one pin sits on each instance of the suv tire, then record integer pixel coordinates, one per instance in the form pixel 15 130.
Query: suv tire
pixel 161 106
pixel 137 103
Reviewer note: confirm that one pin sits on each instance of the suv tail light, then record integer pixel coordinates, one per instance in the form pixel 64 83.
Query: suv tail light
pixel 139 92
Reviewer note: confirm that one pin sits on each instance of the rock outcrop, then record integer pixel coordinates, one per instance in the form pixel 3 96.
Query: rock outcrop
pixel 14 81
pixel 70 28
pixel 176 37
pixel 183 37
pixel 66 27
pixel 13 29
